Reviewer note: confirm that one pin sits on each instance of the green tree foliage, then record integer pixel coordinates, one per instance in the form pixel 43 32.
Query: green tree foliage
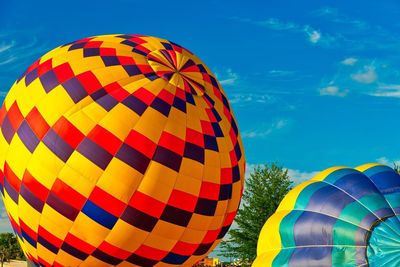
pixel 264 190
pixel 9 248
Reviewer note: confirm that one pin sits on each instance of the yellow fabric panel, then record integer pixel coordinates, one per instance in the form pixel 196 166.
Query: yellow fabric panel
pixel 74 179
pixel 18 156
pixel 199 222
pixel 67 259
pixel 225 160
pixel 269 236
pixel 12 95
pixel 212 159
pixel 110 74
pixel 222 206
pixel 92 261
pixel 174 128
pixel 88 230
pixel 191 168
pixel 188 184
pixel 158 189
pixel 216 222
pixel 266 259
pixel 12 207
pixel 235 200
pixel 132 84
pixel 81 121
pixel 3 149
pixel 192 235
pixel 159 242
pixel 54 222
pixel 28 214
pixel 125 180
pixel 212 174
pixel 29 249
pixel 152 123
pixel 33 94
pixel 55 104
pixel 84 64
pixel 119 121
pixel 222 147
pixel 84 166
pixel 168 230
pixel 44 165
pixel 364 167
pixel 55 53
pixel 44 253
pixel 121 230
pixel 289 200
pixel 95 112
pixel 323 174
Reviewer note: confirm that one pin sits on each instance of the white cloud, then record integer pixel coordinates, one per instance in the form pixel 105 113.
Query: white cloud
pixel 261 133
pixel 16 53
pixel 228 77
pixel 6 46
pixel 276 24
pixel 333 91
pixel 388 162
pixel 5 61
pixel 280 73
pixel 314 36
pixel 333 15
pixel 300 176
pixel 387 90
pixel 349 61
pixel 367 75
pixel 295 175
pixel 244 99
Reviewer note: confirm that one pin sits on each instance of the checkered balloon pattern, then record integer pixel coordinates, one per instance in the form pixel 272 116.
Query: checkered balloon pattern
pixel 119 150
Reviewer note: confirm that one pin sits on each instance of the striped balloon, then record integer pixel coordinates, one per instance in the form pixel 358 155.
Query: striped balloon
pixel 341 217
pixel 119 150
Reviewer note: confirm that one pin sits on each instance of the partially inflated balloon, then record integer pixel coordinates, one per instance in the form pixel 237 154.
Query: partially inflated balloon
pixel 342 217
pixel 119 150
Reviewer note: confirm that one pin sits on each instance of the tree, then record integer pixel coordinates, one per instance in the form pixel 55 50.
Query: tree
pixel 264 190
pixel 9 248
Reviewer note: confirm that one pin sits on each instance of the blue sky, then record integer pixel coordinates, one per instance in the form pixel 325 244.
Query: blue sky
pixel 312 83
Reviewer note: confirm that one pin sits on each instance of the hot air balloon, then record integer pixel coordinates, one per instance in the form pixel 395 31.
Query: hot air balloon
pixel 342 217
pixel 119 150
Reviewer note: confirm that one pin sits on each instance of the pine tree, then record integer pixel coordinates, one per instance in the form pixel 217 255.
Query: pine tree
pixel 264 190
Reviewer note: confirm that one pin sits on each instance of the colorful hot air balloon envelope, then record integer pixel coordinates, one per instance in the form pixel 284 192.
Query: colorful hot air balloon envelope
pixel 119 150
pixel 342 217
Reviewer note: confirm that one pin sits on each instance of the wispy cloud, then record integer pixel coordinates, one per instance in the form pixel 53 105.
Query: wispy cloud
pixel 350 61
pixel 333 90
pixel 227 76
pixel 245 99
pixel 276 24
pixel 261 133
pixel 4 46
pixel 19 50
pixel 280 73
pixel 314 36
pixel 333 15
pixel 297 176
pixel 388 162
pixel 367 75
pixel 387 90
